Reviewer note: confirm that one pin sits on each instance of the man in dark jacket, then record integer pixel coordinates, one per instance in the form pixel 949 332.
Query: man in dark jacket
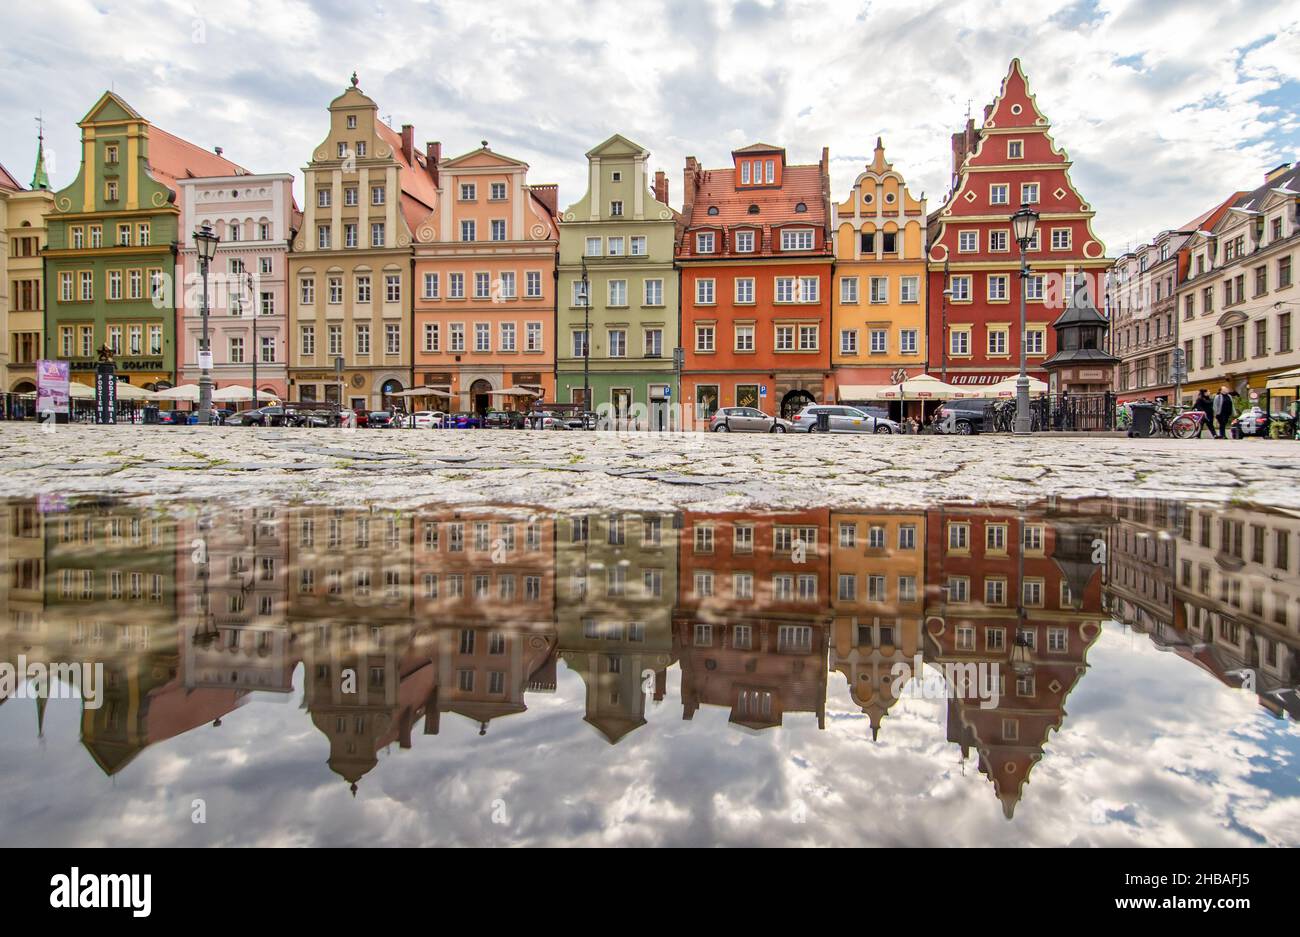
pixel 1223 410
pixel 1205 406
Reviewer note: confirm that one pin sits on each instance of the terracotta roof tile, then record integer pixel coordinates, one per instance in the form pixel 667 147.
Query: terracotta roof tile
pixel 419 194
pixel 171 158
pixel 7 181
pixel 775 205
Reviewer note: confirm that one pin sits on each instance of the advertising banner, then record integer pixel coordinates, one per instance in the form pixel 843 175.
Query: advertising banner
pixel 51 386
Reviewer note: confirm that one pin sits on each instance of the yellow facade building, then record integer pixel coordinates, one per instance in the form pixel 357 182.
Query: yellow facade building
pixel 878 300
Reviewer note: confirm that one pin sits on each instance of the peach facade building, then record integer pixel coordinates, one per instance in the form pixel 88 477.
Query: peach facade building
pixel 485 285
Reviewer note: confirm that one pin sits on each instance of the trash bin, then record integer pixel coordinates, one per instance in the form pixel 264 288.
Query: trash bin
pixel 1142 413
pixel 823 422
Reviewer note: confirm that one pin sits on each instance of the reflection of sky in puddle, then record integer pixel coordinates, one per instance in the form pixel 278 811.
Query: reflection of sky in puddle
pixel 1152 752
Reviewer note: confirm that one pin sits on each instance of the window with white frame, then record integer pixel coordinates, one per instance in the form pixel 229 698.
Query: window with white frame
pixel 638 244
pixel 456 336
pixel 908 341
pixel 614 247
pixel 498 229
pixel 653 292
pixel 1015 149
pixel 909 289
pixel 533 284
pixel 1061 238
pixel 532 336
pixel 507 336
pixel 431 286
pixel 431 336
pixel 745 290
pixel 593 248
pixel 968 242
pixel 960 288
pixel 797 239
pixel 999 240
pixel 468 229
pixel 879 341
pixel 997 340
pixel 744 241
pixel 784 338
pixel 959 341
pixel 999 194
pixel 704 292
pixel 704 242
pixel 1028 193
pixel 997 287
pixel 809 289
pixel 704 338
pixel 785 289
pixel 848 341
pixel 809 337
pixel 468 192
pixel 848 289
pixel 880 289
pixel 618 292
pixel 744 335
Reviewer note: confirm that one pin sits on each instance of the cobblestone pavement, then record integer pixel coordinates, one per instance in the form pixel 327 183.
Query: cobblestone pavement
pixel 630 471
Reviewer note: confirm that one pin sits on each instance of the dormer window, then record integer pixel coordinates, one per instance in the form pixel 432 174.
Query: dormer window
pixel 744 242
pixel 771 171
pixel 704 242
pixel 797 239
pixel 800 208
pixel 713 209
pixel 744 173
pixel 753 209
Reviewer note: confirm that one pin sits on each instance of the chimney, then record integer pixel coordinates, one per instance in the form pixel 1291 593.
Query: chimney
pixel 217 150
pixel 1271 176
pixel 661 186
pixel 433 151
pixel 988 109
pixel 408 144
pixel 690 182
pixel 963 142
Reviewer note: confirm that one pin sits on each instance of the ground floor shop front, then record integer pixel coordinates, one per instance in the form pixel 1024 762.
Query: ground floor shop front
pixel 357 388
pixel 645 398
pixel 776 393
pixel 480 388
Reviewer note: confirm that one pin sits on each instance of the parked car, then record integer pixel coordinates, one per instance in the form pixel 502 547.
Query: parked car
pixel 380 419
pixel 174 417
pixel 584 420
pixel 545 419
pixel 427 419
pixel 262 416
pixel 464 421
pixel 747 420
pixel 361 417
pixel 964 417
pixel 842 420
pixel 314 419
pixel 503 419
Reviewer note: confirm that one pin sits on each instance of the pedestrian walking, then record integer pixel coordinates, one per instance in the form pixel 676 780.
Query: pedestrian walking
pixel 1205 405
pixel 1223 410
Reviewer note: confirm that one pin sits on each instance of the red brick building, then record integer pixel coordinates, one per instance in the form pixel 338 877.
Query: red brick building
pixel 974 336
pixel 756 283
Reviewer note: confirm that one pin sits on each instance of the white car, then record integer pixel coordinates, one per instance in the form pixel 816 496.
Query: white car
pixel 842 419
pixel 427 419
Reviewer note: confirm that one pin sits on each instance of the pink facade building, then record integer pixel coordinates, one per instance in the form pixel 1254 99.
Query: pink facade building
pixel 255 217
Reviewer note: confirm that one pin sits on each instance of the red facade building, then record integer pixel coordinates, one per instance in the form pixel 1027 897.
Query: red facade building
pixel 974 331
pixel 756 281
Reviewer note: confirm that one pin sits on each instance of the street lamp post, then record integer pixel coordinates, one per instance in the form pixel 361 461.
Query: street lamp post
pixel 205 240
pixel 1023 224
pixel 943 332
pixel 253 305
pixel 586 341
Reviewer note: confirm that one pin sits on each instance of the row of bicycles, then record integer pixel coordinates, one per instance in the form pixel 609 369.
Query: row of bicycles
pixel 1165 421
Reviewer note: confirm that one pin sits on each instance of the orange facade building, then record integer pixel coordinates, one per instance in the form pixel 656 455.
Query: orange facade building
pixel 756 279
pixel 485 262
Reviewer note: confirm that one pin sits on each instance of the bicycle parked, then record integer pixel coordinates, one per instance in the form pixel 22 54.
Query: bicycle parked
pixel 1167 421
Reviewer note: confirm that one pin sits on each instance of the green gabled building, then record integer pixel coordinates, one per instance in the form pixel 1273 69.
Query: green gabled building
pixel 622 234
pixel 111 246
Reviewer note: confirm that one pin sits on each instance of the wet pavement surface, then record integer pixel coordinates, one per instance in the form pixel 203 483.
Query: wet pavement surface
pixel 1104 671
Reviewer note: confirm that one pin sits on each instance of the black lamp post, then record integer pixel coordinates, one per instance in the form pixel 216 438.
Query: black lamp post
pixel 205 241
pixel 254 305
pixel 1023 224
pixel 586 340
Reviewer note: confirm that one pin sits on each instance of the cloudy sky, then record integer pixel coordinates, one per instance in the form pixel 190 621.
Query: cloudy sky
pixel 1165 106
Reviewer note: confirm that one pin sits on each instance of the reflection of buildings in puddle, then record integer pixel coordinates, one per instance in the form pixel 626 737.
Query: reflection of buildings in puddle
pixel 878 598
pixel 1019 595
pixel 1234 607
pixel 752 614
pixel 615 581
pixel 468 612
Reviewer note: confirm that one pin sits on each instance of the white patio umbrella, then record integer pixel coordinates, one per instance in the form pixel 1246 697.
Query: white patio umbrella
pixel 182 392
pixel 127 391
pixel 925 386
pixel 514 392
pixel 234 392
pixel 1007 387
pixel 80 391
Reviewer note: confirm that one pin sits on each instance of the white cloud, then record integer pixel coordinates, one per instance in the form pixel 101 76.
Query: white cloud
pixel 1164 107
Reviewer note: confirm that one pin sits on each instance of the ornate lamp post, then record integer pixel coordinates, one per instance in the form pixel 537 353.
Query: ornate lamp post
pixel 205 241
pixel 1023 224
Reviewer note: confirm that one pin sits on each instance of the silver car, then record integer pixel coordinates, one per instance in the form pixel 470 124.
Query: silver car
pixel 842 420
pixel 747 420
